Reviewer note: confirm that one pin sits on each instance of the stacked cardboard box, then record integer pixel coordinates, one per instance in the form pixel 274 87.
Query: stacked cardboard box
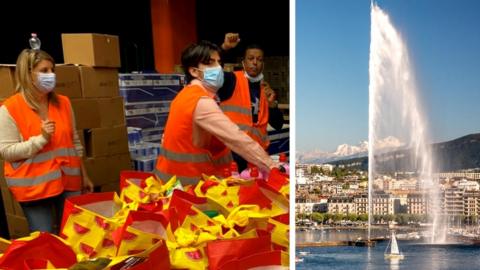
pixel 92 85
pixel 276 72
pixel 147 103
pixel 17 223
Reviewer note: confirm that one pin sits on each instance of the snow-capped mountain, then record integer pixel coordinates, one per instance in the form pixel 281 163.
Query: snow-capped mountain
pixel 348 151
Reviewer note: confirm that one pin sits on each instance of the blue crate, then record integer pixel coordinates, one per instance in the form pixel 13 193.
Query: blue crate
pixel 145 164
pixel 146 121
pixel 150 87
pixel 279 141
pixel 152 134
pixel 146 107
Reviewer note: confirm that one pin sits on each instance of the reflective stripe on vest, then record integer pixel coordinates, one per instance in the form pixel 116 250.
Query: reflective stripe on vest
pixel 194 158
pixel 33 181
pixel 45 156
pixel 253 131
pixel 71 171
pixel 236 109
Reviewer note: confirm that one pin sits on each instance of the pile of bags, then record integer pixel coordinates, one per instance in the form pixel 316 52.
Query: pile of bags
pixel 228 223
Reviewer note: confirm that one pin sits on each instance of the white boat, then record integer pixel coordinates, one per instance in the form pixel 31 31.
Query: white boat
pixel 298 260
pixel 394 251
pixel 304 253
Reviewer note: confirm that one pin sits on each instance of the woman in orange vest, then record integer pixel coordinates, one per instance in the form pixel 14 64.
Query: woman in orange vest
pixel 39 143
pixel 198 135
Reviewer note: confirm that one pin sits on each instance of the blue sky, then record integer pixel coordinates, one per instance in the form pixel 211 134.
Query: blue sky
pixel 332 50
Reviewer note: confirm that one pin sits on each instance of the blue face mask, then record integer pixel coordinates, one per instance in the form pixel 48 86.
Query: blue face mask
pixel 213 78
pixel 46 82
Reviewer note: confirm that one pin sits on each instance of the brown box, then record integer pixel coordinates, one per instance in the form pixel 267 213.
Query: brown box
pixel 86 113
pixel 10 204
pixel 91 49
pixel 112 111
pixel 99 82
pixel 68 81
pixel 81 136
pixel 17 226
pixel 106 141
pixel 7 80
pixel 7 200
pixel 104 170
pixel 114 186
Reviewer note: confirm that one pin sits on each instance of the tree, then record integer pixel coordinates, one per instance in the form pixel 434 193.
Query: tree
pixel 402 219
pixel 363 217
pixel 352 217
pixel 318 217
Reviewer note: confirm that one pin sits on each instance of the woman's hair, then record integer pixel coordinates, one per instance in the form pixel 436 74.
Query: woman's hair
pixel 26 62
pixel 195 54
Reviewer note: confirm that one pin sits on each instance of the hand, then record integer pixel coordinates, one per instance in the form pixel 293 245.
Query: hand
pixel 270 94
pixel 231 41
pixel 48 128
pixel 87 185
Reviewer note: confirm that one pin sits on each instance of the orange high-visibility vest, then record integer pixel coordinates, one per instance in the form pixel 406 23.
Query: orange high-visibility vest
pixel 239 109
pixel 54 168
pixel 178 155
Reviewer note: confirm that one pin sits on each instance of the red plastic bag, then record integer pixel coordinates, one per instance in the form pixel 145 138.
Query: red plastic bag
pixel 37 252
pixel 222 252
pixel 155 258
pixel 269 258
pixel 277 179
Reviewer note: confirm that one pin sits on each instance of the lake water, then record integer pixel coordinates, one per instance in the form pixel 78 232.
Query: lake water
pixel 417 255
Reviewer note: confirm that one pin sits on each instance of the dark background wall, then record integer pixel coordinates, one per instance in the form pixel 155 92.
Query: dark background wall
pixel 131 20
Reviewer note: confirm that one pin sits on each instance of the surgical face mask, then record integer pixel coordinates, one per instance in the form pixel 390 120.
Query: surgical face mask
pixel 213 77
pixel 46 82
pixel 255 79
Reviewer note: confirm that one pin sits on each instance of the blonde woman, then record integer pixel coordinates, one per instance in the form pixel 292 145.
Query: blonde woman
pixel 39 143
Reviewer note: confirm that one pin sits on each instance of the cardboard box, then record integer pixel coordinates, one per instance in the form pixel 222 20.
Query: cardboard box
pixel 106 141
pixel 7 80
pixel 17 226
pixel 6 195
pixel 150 86
pixel 91 49
pixel 103 170
pixel 68 81
pixel 98 112
pixel 112 111
pixel 86 113
pixel 99 82
pixel 9 203
pixel 114 186
pixel 81 136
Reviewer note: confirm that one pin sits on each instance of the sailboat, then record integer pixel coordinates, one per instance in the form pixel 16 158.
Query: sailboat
pixel 394 252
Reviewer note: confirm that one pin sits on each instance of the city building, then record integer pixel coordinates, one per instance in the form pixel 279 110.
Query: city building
pixel 341 205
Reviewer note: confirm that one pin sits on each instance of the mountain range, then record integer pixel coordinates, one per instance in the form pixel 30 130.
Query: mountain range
pixel 346 151
pixel 458 154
